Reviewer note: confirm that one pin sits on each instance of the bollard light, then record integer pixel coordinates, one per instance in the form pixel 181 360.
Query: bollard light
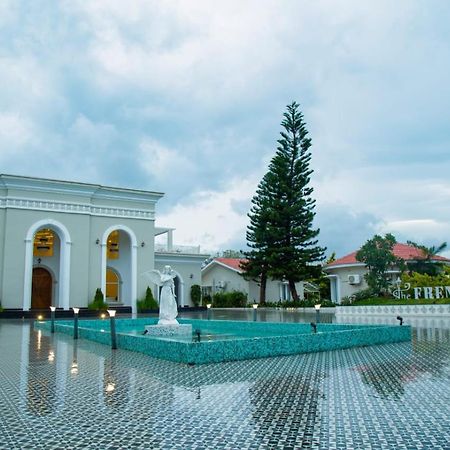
pixel 313 327
pixel 112 317
pixel 255 307
pixel 208 308
pixel 52 315
pixel 75 322
pixel 317 308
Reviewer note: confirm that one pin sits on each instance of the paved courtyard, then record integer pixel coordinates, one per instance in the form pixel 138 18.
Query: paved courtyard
pixel 57 393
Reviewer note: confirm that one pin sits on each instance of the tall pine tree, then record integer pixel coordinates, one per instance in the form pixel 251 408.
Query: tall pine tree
pixel 281 236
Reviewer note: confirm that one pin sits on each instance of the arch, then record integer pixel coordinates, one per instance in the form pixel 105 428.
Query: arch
pixel 132 236
pixel 64 261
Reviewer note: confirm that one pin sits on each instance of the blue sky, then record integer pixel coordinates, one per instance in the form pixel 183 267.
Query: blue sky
pixel 186 97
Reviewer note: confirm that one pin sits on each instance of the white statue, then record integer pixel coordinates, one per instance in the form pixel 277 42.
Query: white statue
pixel 168 310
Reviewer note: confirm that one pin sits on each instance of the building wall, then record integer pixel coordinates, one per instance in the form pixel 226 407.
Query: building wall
pixel 233 280
pixel 236 282
pixel 345 289
pixel 87 212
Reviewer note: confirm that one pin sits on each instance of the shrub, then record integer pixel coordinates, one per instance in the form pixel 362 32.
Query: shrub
pixel 99 301
pixel 196 294
pixel 234 299
pixel 148 302
pixel 363 294
pixel 206 299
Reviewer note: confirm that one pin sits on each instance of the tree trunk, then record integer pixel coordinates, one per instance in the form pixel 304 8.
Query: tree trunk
pixel 262 289
pixel 293 290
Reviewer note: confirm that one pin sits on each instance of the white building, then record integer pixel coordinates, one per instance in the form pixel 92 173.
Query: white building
pixel 225 275
pixel 61 240
pixel 346 274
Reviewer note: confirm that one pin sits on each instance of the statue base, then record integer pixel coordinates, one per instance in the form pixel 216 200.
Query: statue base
pixel 168 330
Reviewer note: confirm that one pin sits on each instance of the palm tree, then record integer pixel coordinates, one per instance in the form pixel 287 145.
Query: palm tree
pixel 428 263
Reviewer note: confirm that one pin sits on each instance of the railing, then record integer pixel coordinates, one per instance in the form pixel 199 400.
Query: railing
pixel 186 249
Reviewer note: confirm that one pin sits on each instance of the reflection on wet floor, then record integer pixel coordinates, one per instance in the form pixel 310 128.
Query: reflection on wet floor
pixel 59 393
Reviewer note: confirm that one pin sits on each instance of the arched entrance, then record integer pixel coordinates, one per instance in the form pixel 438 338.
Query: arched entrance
pixel 48 243
pixel 41 289
pixel 119 250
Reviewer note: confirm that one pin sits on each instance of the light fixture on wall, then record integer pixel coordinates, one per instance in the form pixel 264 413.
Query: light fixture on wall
pixel 142 244
pixel 97 241
pixel 39 260
pixel 191 276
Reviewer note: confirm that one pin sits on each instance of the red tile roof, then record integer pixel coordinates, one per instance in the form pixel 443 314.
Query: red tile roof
pixel 233 263
pixel 403 251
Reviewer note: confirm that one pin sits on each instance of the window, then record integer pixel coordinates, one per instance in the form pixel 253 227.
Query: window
pixel 43 243
pixel 112 285
pixel 113 245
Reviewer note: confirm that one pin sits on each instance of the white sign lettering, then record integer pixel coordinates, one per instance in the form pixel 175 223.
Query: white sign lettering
pixel 427 292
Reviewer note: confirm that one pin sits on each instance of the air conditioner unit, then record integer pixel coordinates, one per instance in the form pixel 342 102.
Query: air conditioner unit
pixel 354 279
pixel 221 284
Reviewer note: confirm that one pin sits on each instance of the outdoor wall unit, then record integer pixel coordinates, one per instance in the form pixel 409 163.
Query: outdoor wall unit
pixel 354 279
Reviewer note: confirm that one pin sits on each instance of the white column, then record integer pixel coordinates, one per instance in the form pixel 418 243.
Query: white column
pixel 64 275
pixel 169 241
pixel 28 274
pixel 133 278
pixel 103 268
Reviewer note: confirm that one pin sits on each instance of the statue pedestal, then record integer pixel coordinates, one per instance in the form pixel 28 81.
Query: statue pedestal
pixel 169 330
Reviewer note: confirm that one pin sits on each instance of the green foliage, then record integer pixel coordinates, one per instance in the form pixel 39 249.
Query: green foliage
pixel 377 254
pixel 320 279
pixel 234 299
pixel 427 264
pixel 206 299
pixel 280 235
pixel 196 294
pixel 423 280
pixel 148 302
pixel 98 303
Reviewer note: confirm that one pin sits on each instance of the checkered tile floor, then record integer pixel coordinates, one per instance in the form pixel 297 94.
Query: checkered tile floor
pixel 56 393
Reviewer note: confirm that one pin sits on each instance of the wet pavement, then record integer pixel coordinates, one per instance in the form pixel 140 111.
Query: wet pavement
pixel 59 393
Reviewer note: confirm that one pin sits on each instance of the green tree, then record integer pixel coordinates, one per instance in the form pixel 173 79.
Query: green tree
pixel 281 237
pixel 377 254
pixel 196 294
pixel 427 264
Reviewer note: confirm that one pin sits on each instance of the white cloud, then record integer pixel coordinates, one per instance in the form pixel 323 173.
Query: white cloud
pixel 162 162
pixel 15 131
pixel 211 218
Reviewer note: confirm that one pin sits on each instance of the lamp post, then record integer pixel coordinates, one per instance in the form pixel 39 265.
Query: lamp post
pixel 208 308
pixel 75 322
pixel 112 316
pixel 52 315
pixel 317 308
pixel 255 307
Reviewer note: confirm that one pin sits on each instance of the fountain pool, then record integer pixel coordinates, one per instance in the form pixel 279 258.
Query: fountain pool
pixel 226 340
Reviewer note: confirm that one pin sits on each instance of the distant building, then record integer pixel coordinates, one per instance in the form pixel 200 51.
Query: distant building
pixel 346 274
pixel 225 275
pixel 61 240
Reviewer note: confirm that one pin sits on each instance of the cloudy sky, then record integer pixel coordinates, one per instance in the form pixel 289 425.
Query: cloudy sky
pixel 186 97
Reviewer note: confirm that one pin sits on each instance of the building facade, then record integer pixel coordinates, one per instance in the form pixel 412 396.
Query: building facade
pixel 61 240
pixel 225 275
pixel 346 274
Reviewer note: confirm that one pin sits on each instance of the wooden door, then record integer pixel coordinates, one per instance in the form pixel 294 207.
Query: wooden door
pixel 41 291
